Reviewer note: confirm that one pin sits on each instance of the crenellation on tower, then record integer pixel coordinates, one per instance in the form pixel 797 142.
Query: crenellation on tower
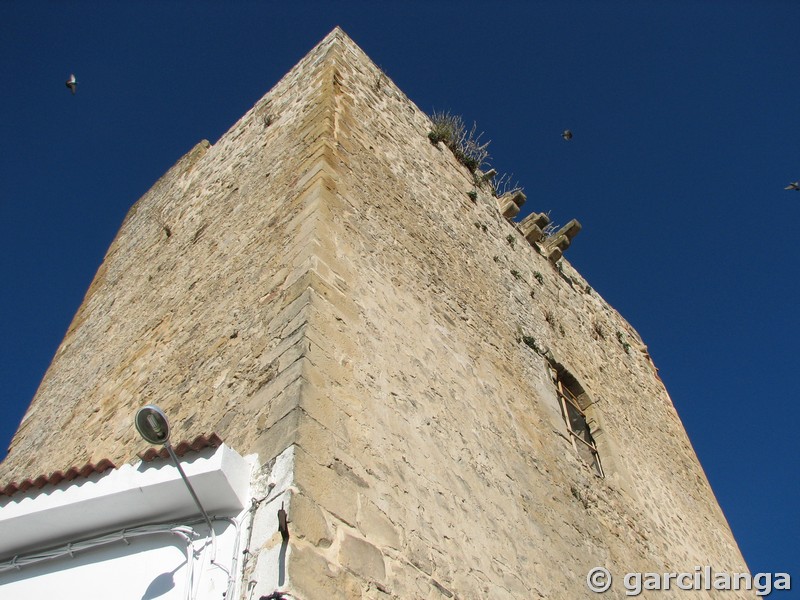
pixel 556 244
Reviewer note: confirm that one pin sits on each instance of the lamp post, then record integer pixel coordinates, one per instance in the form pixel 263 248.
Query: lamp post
pixel 153 426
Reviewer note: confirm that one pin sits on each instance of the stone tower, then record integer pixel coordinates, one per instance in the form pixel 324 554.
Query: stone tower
pixel 467 417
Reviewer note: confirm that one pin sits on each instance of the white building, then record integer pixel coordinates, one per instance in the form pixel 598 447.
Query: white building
pixel 137 531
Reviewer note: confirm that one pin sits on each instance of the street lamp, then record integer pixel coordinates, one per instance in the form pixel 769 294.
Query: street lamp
pixel 153 426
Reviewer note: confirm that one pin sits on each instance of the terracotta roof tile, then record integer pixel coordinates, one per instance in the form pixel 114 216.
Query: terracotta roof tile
pixel 57 477
pixel 182 448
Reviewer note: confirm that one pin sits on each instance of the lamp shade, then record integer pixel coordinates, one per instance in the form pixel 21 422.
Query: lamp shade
pixel 152 424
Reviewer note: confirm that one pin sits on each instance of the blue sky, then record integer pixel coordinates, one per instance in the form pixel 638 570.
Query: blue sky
pixel 686 120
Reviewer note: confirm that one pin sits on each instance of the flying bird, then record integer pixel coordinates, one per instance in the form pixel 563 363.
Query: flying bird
pixel 793 186
pixel 567 135
pixel 72 83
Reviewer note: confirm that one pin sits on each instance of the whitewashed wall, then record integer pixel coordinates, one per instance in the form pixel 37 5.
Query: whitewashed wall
pixel 144 568
pixel 135 532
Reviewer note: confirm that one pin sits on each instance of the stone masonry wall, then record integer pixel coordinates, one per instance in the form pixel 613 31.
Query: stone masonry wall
pixel 319 278
pixel 201 303
pixel 453 472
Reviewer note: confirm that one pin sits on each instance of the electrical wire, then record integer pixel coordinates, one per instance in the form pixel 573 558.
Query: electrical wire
pixel 19 561
pixel 235 560
pixel 182 530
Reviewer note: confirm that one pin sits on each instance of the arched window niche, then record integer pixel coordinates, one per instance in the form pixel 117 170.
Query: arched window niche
pixel 580 418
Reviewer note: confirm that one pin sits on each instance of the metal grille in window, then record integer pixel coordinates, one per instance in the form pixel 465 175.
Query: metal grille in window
pixel 578 429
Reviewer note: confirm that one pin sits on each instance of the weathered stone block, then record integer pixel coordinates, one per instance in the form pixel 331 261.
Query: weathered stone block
pixel 569 231
pixel 312 577
pixel 327 488
pixel 362 558
pixel 553 254
pixel 376 526
pixel 508 208
pixel 308 522
pixel 532 226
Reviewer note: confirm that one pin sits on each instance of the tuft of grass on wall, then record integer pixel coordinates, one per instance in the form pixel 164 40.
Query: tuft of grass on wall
pixel 465 144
